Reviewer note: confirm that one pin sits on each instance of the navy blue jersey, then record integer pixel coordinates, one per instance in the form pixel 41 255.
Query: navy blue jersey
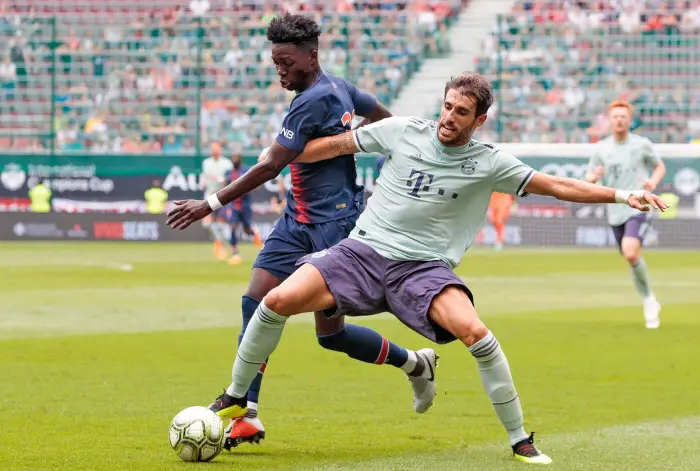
pixel 323 191
pixel 233 175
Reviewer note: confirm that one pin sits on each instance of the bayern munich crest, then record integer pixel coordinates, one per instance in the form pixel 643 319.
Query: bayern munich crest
pixel 468 167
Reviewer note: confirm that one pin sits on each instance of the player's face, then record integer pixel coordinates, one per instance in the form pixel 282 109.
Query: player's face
pixel 458 119
pixel 620 119
pixel 295 65
pixel 216 150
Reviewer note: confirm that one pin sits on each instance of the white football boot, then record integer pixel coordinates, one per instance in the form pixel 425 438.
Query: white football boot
pixel 424 384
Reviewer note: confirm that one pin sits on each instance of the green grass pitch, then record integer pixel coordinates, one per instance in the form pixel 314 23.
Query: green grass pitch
pixel 102 344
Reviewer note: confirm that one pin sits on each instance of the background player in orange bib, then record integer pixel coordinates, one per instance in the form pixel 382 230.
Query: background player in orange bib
pixel 499 212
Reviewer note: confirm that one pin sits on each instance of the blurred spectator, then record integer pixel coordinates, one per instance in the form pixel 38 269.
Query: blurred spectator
pixel 199 7
pixel 8 78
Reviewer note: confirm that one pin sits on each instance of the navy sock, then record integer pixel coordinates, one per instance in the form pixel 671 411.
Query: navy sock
pixel 365 345
pixel 248 307
pixel 233 240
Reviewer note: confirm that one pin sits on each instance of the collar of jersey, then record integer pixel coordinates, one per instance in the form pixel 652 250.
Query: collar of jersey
pixel 318 79
pixel 450 150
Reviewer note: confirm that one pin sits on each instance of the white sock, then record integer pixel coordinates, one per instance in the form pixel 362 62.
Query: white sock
pixel 252 411
pixel 220 233
pixel 640 276
pixel 260 340
pixel 411 363
pixel 498 384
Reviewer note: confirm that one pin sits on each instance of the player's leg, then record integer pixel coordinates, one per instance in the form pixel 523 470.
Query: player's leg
pixel 235 258
pixel 453 311
pixel 218 231
pixel 304 291
pixel 275 262
pixel 209 224
pixel 631 247
pixel 357 342
pixel 430 299
pixel 499 224
pixel 246 218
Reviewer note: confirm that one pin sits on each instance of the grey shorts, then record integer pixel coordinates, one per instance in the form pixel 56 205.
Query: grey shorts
pixel 636 226
pixel 364 282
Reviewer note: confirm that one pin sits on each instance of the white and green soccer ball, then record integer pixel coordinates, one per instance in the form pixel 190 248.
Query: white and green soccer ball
pixel 197 434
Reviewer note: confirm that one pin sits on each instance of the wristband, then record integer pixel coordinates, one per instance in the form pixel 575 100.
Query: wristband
pixel 214 202
pixel 621 196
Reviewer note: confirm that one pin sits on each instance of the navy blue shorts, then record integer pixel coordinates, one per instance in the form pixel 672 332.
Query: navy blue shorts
pixel 290 240
pixel 636 227
pixel 242 216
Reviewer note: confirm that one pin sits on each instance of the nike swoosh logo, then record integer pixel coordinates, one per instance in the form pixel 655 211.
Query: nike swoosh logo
pixel 430 366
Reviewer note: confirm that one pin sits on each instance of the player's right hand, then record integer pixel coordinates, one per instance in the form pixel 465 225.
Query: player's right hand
pixel 186 212
pixel 642 202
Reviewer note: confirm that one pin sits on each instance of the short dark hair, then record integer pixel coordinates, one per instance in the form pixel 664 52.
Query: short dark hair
pixel 300 30
pixel 475 85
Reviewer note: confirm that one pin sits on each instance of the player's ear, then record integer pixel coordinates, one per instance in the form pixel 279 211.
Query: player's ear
pixel 480 120
pixel 314 57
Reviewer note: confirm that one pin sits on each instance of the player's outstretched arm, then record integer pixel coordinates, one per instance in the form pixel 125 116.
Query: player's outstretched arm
pixel 188 211
pixel 595 175
pixel 656 176
pixel 327 148
pixel 576 191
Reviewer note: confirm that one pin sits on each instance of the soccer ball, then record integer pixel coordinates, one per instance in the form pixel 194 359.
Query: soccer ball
pixel 197 434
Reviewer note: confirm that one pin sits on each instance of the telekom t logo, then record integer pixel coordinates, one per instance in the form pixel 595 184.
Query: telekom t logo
pixel 418 185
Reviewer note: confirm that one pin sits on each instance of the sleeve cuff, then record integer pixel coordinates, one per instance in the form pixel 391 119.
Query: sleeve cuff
pixel 521 189
pixel 356 138
pixel 288 145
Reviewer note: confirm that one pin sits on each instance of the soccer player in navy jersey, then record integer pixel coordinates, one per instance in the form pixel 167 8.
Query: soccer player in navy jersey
pixel 322 207
pixel 240 212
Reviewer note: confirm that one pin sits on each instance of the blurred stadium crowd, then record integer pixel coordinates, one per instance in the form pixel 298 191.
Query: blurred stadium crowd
pixel 124 75
pixel 557 63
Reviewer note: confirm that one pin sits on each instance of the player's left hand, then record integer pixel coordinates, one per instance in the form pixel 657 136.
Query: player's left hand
pixel 186 212
pixel 649 185
pixel 647 199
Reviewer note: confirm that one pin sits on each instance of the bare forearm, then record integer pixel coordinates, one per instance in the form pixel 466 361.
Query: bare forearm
pixel 568 189
pixel 658 175
pixel 364 122
pixel 253 178
pixel 379 113
pixel 328 147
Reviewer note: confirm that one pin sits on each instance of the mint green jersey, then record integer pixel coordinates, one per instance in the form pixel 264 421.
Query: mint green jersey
pixel 626 166
pixel 430 200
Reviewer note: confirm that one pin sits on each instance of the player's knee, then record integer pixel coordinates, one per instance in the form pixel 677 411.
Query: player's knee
pixel 631 254
pixel 334 341
pixel 276 300
pixel 472 332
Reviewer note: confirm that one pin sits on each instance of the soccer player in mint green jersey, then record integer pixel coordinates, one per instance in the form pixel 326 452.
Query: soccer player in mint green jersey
pixel 625 161
pixel 429 203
